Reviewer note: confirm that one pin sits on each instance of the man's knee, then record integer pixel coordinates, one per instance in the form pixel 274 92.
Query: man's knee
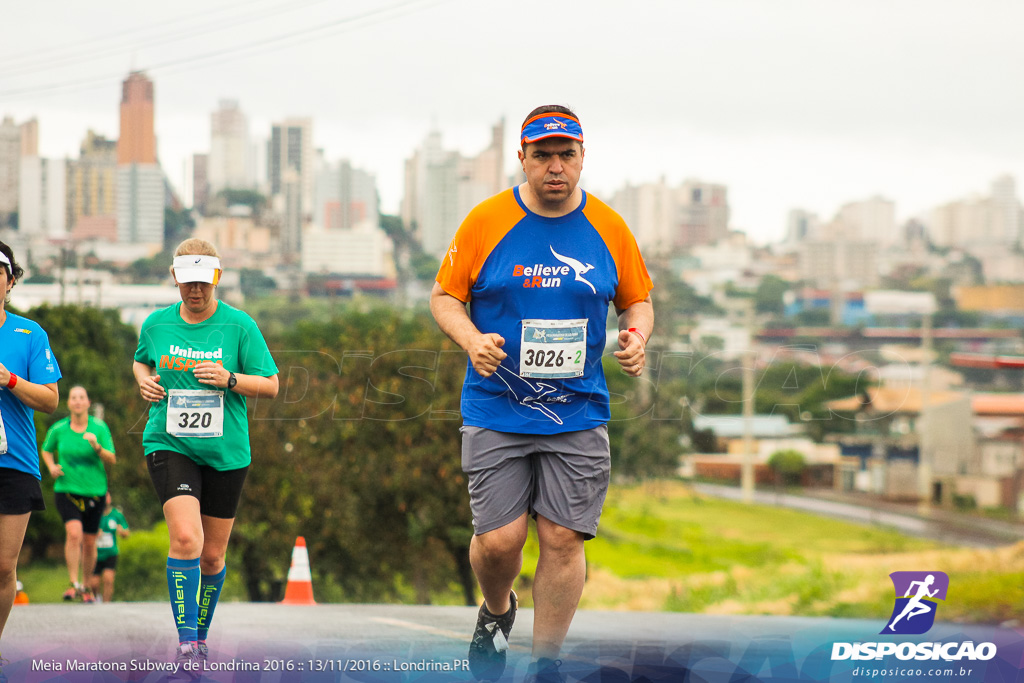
pixel 553 537
pixel 503 542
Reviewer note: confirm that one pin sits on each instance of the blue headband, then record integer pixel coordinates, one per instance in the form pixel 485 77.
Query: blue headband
pixel 551 126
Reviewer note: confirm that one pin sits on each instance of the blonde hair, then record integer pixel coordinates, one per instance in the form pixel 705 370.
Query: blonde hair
pixel 194 246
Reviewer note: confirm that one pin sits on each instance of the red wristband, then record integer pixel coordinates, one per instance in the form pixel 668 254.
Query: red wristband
pixel 12 381
pixel 638 333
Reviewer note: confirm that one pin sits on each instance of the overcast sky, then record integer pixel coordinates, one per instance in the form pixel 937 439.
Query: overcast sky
pixel 789 103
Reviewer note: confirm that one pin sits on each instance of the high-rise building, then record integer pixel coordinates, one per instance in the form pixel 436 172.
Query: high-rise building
pixel 16 142
pixel 665 219
pixel 871 220
pixel 291 148
pixel 229 164
pixel 1006 211
pixel 993 221
pixel 344 197
pixel 441 187
pixel 140 183
pixel 839 263
pixel 703 213
pixel 650 212
pixel 92 184
pixel 200 182
pixel 801 225
pixel 42 197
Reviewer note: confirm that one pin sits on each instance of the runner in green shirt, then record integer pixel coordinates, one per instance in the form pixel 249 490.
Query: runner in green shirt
pixel 112 526
pixel 82 445
pixel 196 364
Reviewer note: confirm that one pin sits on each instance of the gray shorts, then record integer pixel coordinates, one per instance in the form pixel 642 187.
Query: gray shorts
pixel 561 477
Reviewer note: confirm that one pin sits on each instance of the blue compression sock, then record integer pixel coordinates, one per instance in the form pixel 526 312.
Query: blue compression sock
pixel 183 587
pixel 209 593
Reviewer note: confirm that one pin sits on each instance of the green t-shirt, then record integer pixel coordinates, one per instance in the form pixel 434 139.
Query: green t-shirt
pixel 106 541
pixel 173 347
pixel 84 474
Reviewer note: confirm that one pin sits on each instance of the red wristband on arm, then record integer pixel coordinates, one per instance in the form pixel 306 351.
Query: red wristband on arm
pixel 12 381
pixel 638 333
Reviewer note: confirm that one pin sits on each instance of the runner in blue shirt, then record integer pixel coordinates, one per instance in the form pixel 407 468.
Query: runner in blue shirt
pixel 28 382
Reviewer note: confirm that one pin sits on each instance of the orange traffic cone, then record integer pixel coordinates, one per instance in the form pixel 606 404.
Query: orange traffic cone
pixel 299 590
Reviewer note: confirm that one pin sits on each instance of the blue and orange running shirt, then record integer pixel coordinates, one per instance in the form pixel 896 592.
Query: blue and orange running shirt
pixel 543 284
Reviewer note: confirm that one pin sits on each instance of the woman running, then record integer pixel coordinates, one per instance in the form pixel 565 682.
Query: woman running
pixel 82 445
pixel 196 363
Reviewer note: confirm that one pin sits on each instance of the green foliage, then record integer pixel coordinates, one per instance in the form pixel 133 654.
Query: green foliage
pixel 255 284
pixel 236 197
pixel 178 225
pixel 94 349
pixel 769 295
pixel 424 266
pixel 141 565
pixel 788 464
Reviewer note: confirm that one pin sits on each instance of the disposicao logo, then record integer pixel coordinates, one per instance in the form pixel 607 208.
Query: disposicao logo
pixel 913 614
pixel 916 593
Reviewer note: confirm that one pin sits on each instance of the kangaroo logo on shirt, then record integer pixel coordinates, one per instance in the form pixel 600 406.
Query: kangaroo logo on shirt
pixel 542 276
pixel 577 266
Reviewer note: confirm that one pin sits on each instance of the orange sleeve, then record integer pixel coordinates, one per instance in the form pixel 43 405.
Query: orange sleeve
pixel 480 232
pixel 635 283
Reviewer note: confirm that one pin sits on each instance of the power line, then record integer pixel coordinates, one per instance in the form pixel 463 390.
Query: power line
pixel 136 42
pixel 288 39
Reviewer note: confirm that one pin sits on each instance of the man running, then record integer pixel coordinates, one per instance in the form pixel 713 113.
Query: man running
pixel 540 263
pixel 28 382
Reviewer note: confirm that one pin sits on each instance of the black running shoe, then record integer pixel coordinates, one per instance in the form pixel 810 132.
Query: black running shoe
pixel 490 642
pixel 545 671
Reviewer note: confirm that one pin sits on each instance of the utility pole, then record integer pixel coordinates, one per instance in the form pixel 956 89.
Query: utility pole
pixel 749 357
pixel 924 458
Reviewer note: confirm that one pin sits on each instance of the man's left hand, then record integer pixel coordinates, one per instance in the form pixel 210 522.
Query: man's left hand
pixel 632 354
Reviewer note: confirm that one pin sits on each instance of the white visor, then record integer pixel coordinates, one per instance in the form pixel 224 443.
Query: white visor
pixel 6 261
pixel 195 268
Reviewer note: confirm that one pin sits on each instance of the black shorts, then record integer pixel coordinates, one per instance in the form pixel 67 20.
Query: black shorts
pixel 86 509
pixel 109 563
pixel 174 474
pixel 19 492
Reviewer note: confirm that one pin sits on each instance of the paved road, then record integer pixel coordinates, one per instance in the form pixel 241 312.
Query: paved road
pixel 266 643
pixel 941 526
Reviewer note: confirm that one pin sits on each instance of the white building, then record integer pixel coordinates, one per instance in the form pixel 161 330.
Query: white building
pixel 42 197
pixel 441 187
pixel 364 250
pixel 666 219
pixel 870 220
pixel 291 149
pixel 980 221
pixel 344 197
pixel 140 204
pixel 229 164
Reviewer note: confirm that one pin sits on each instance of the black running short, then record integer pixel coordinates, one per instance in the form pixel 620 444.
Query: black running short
pixel 175 474
pixel 108 563
pixel 19 492
pixel 86 509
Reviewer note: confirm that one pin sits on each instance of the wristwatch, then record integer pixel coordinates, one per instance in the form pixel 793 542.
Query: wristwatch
pixel 232 381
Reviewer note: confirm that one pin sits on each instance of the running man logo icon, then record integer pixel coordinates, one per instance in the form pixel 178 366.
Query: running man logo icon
pixel 916 593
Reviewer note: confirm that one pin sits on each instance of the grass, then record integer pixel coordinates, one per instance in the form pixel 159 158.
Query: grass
pixel 662 547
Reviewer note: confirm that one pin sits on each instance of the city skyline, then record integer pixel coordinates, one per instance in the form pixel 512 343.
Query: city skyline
pixel 797 106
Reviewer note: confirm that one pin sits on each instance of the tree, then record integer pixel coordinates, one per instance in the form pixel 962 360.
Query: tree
pixel 770 293
pixel 788 465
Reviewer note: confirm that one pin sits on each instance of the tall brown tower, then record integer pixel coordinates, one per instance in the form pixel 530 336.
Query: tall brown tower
pixel 137 144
